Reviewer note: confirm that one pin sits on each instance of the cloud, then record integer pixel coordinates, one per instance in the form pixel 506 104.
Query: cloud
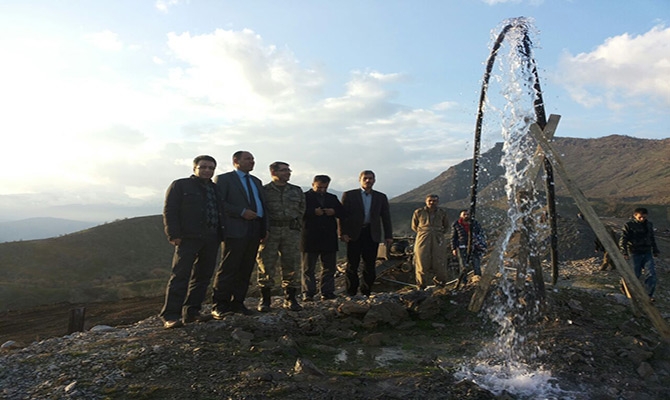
pixel 623 70
pixel 116 140
pixel 105 40
pixel 165 5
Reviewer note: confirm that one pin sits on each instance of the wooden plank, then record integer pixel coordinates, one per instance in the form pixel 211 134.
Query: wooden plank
pixel 634 286
pixel 491 268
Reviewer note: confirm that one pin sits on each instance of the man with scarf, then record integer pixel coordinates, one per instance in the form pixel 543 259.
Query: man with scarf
pixel 468 243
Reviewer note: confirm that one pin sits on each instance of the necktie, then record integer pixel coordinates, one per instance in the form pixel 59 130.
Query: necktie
pixel 252 198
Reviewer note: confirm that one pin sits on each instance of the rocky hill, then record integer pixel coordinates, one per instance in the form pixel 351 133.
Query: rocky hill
pixel 613 169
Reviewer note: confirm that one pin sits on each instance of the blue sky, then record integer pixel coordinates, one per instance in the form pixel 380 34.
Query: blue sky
pixel 104 103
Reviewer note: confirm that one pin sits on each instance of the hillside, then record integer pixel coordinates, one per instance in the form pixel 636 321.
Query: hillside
pixel 111 261
pixel 614 169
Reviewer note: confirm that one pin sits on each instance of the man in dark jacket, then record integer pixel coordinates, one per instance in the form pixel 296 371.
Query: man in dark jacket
pixel 367 212
pixel 637 239
pixel 319 239
pixel 193 220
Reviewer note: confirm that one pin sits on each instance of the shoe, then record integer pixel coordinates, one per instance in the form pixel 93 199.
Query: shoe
pixel 328 296
pixel 197 318
pixel 266 300
pixel 219 312
pixel 652 300
pixel 307 297
pixel 173 323
pixel 290 302
pixel 240 308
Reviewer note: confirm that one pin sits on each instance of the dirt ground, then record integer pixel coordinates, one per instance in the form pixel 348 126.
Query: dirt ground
pixel 588 338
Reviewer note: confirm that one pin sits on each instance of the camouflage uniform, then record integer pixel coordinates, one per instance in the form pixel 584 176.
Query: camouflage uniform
pixel 285 208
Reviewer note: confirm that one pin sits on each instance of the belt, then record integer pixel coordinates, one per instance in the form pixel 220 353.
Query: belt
pixel 280 224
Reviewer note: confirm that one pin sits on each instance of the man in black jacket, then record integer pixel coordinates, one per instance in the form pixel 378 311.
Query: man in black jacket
pixel 637 239
pixel 319 239
pixel 193 220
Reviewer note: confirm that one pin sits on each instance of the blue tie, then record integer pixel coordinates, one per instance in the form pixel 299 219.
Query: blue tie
pixel 252 198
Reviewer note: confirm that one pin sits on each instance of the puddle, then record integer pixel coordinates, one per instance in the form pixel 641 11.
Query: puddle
pixel 378 356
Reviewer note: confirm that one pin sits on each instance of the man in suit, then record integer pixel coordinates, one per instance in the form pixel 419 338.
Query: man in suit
pixel 244 217
pixel 319 239
pixel 193 220
pixel 367 211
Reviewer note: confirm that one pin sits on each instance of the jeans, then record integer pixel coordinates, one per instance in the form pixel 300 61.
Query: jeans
pixel 646 261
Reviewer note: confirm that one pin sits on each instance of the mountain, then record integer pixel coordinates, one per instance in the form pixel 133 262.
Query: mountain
pixel 619 169
pixel 39 228
pixel 125 258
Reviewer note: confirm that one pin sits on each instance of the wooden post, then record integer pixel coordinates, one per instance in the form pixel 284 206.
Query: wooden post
pixel 76 322
pixel 494 260
pixel 637 291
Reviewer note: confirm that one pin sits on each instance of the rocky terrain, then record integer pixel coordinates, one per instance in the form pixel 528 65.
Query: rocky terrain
pixel 398 344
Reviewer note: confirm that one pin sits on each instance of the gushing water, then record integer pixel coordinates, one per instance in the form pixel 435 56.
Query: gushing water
pixel 510 363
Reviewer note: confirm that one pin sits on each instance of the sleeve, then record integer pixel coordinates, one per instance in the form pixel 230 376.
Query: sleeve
pixel 654 247
pixel 415 220
pixel 171 209
pixel 623 241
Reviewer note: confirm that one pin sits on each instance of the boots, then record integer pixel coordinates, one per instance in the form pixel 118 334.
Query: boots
pixel 266 299
pixel 290 302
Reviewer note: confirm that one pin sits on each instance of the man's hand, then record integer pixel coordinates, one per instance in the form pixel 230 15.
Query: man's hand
pixel 329 211
pixel 249 215
pixel 175 242
pixel 345 238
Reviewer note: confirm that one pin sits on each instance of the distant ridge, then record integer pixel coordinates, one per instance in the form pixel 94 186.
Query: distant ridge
pixel 40 228
pixel 614 168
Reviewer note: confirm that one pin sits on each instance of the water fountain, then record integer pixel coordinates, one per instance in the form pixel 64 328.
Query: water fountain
pixel 510 363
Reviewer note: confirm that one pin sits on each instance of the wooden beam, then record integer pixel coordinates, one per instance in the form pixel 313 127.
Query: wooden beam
pixel 637 291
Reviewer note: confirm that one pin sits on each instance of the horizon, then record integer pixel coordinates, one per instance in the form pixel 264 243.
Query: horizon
pixel 112 101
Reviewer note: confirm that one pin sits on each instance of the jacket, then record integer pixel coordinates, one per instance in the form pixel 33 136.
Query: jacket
pixel 380 215
pixel 319 233
pixel 638 237
pixel 235 200
pixel 185 209
pixel 459 237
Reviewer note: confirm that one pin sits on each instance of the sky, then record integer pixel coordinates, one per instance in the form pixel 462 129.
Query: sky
pixel 104 103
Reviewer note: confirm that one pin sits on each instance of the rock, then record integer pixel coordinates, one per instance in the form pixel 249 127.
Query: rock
pixel 305 366
pixel 10 345
pixel 645 370
pixel 374 339
pixel 390 313
pixel 242 336
pixel 102 328
pixel 429 308
pixel 353 308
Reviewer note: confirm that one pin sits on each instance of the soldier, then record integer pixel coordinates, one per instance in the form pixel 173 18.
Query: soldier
pixel 285 209
pixel 430 248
